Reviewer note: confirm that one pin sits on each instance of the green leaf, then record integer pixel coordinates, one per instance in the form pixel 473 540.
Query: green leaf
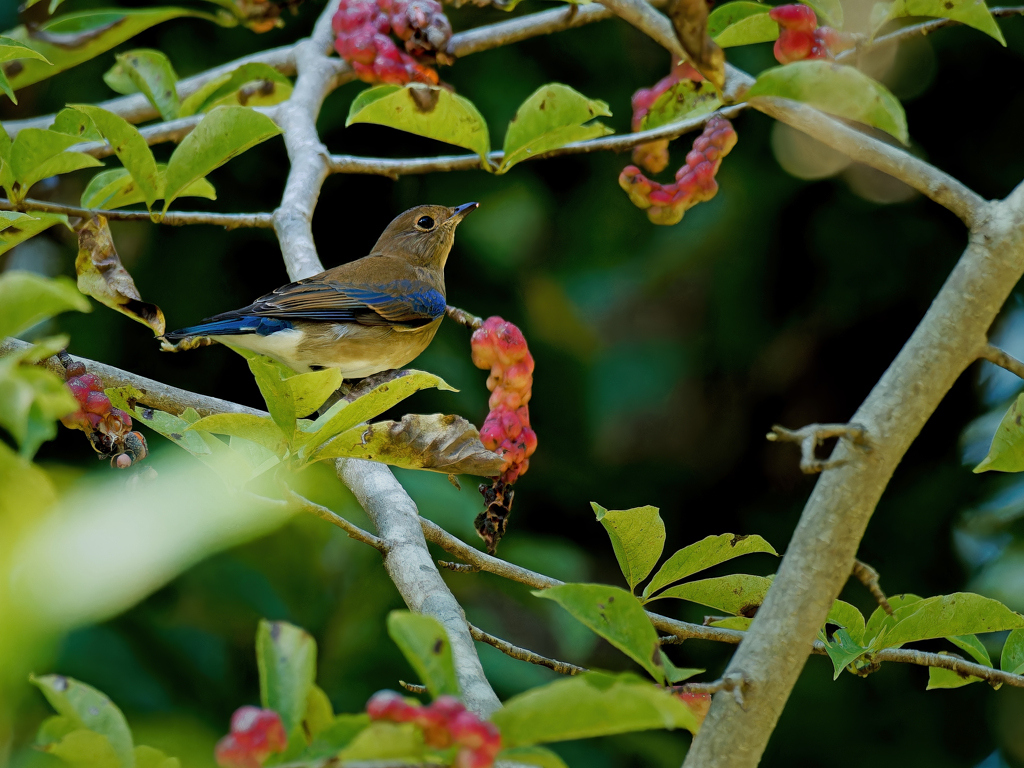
pixel 148 757
pixel 319 712
pixel 739 593
pixel 1012 658
pixel 86 749
pixel 89 709
pixel 38 153
pixel 973 646
pixel 539 756
pixel 30 227
pixel 844 615
pixel 880 621
pixel 946 678
pixel 286 657
pixel 14 219
pixel 617 616
pixel 553 116
pixel 741 623
pixel 257 429
pixel 150 72
pixel 223 133
pixel 75 123
pixel 425 645
pixel 33 398
pixel 686 98
pixel 842 649
pixel 396 743
pixel 436 442
pixel 53 729
pixel 116 188
pixel 741 23
pixel 836 89
pixel 589 705
pixel 973 13
pixel 704 554
pixel 336 736
pixel 253 84
pixel 27 299
pixel 638 538
pixel 961 613
pixel 1006 454
pixel 289 395
pixel 425 111
pixel 72 38
pixel 129 146
pixel 10 50
pixel 674 674
pixel 829 12
pixel 344 415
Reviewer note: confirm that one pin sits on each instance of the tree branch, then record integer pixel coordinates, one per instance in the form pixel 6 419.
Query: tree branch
pixel 820 555
pixel 1004 360
pixel 353 531
pixel 868 576
pixel 172 218
pixel 809 438
pixel 561 667
pixel 922 176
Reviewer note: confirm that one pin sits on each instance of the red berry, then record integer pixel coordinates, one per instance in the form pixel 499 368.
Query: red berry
pixel 793 46
pixel 97 402
pixel 255 734
pixel 797 17
pixel 449 706
pixel 698 703
pixel 230 754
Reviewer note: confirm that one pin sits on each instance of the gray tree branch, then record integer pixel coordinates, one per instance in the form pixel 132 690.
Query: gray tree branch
pixel 171 218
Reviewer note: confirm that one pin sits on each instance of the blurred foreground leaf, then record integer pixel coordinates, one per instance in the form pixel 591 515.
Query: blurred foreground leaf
pixel 425 645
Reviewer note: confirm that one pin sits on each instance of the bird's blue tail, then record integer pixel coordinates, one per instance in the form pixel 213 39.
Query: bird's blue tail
pixel 263 326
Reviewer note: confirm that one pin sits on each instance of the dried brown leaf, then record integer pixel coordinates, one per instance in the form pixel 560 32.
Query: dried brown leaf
pixel 436 442
pixel 102 276
pixel 690 20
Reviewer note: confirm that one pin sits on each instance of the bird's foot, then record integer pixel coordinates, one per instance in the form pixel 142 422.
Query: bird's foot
pixel 187 343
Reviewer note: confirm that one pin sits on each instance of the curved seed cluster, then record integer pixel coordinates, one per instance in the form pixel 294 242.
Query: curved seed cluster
pixel 695 181
pixel 801 38
pixel 500 346
pixel 653 156
pixel 255 735
pixel 361 30
pixel 109 429
pixel 445 723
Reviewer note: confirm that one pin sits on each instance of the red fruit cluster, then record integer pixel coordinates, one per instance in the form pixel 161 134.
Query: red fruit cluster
pixel 361 38
pixel 801 38
pixel 445 723
pixel 109 429
pixel 654 155
pixel 699 704
pixel 255 735
pixel 500 346
pixel 695 181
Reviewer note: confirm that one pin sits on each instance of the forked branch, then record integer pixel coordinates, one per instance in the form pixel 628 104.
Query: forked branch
pixel 811 437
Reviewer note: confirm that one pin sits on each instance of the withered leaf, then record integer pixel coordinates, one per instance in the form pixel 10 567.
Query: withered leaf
pixel 102 276
pixel 436 442
pixel 690 19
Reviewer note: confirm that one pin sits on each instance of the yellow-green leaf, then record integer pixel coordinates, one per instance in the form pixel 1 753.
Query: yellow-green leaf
pixel 637 536
pixel 38 153
pixel 258 429
pixel 425 645
pixel 11 50
pixel 150 72
pixel 973 13
pixel 836 89
pixel 253 84
pixel 116 188
pixel 90 709
pixel 741 23
pixel 425 111
pixel 1006 454
pixel 739 593
pixel 704 554
pixel 27 299
pixel 686 98
pixel 129 146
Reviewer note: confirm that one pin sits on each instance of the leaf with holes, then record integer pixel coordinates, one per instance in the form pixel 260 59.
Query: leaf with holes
pixel 741 23
pixel 704 554
pixel 687 98
pixel 617 616
pixel 223 133
pixel 435 442
pixel 972 13
pixel 846 616
pixel 425 645
pixel 553 116
pixel 589 705
pixel 131 149
pixel 739 593
pixel 150 72
pixel 836 89
pixel 253 85
pixel 424 110
pixel 637 536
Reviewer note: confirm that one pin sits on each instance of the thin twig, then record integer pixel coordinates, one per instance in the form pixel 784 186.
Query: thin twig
pixel 995 355
pixel 561 667
pixel 811 436
pixel 462 317
pixel 353 531
pixel 868 576
pixel 458 567
pixel 413 687
pixel 172 218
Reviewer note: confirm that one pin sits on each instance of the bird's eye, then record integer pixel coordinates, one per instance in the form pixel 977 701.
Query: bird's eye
pixel 425 222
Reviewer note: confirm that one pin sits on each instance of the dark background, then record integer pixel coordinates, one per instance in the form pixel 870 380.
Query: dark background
pixel 663 356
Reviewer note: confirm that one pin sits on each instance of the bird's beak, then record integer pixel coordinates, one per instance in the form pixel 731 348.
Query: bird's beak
pixel 460 212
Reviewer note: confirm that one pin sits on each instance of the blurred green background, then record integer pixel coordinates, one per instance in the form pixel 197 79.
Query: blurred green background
pixel 663 356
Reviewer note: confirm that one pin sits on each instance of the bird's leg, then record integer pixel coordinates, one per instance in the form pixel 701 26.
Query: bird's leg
pixel 187 343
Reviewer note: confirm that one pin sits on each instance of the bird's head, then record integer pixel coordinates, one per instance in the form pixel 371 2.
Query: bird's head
pixel 423 235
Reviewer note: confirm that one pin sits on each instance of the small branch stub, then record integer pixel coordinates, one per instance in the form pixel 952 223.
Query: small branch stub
pixel 868 576
pixel 734 682
pixel 812 436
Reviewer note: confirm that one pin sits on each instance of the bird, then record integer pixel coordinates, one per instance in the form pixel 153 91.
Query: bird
pixel 373 314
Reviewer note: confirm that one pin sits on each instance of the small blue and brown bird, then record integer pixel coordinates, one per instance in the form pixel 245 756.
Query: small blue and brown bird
pixel 369 315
